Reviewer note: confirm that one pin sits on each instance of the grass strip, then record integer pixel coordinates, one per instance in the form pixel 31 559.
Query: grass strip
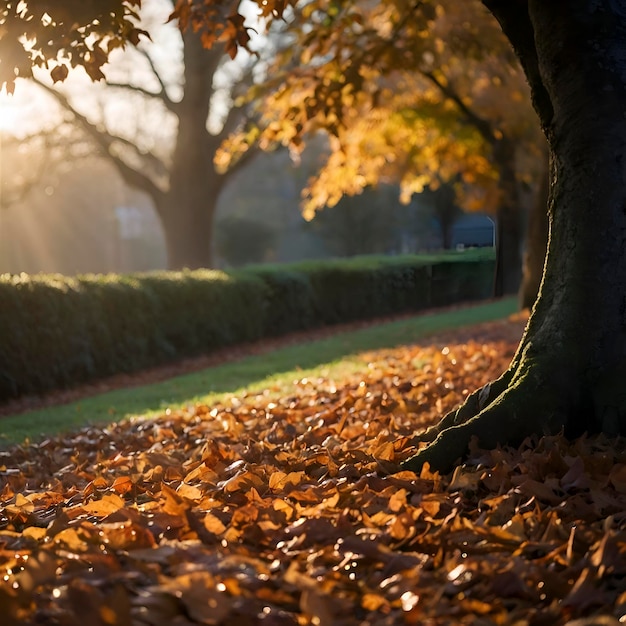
pixel 333 356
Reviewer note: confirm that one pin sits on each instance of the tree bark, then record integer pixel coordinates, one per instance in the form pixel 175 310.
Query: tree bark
pixel 569 370
pixel 536 243
pixel 188 207
pixel 188 231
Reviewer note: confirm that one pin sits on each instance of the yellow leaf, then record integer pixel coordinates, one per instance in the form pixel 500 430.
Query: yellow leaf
pixel 101 508
pixel 189 492
pixel 213 524
pixel 24 503
pixel 122 484
pixel 384 452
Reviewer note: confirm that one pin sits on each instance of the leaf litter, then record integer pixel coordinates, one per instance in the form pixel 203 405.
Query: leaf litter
pixel 289 510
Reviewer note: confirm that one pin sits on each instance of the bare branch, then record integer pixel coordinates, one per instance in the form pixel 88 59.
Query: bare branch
pixel 134 88
pixel 481 125
pixel 42 150
pixel 107 142
pixel 153 162
pixel 163 95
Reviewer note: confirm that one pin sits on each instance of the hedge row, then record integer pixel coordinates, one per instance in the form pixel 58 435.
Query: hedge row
pixel 57 331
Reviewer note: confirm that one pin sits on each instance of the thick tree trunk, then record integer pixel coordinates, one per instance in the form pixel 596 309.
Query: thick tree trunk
pixel 188 208
pixel 570 368
pixel 188 231
pixel 536 243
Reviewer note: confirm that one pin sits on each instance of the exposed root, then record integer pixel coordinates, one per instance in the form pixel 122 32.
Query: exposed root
pixel 523 408
pixel 473 405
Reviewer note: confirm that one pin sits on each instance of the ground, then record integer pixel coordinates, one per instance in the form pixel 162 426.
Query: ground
pixel 293 510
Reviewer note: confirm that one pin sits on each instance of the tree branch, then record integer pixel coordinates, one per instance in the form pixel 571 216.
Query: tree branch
pixel 482 125
pixel 42 153
pixel 106 141
pixel 141 90
pixel 163 95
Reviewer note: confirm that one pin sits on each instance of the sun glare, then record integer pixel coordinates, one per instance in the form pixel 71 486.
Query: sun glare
pixel 9 113
pixel 25 111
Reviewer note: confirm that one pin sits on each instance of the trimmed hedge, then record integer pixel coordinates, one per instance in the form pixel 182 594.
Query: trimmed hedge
pixel 57 331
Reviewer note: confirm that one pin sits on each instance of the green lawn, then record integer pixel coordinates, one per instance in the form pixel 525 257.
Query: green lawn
pixel 333 356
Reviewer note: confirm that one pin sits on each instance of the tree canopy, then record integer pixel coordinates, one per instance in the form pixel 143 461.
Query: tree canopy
pixel 61 35
pixel 420 96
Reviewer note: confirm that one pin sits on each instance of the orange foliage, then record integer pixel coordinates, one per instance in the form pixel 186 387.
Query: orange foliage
pixel 413 96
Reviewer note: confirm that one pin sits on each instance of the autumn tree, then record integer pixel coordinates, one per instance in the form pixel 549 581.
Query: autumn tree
pixel 164 132
pixel 421 102
pixel 446 210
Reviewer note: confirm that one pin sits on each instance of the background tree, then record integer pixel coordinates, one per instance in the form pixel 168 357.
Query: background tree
pixel 446 209
pixel 159 117
pixel 453 112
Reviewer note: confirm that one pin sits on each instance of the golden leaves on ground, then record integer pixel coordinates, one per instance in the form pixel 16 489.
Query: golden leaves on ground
pixel 291 510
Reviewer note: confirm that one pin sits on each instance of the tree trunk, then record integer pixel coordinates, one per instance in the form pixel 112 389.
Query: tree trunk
pixel 570 368
pixel 536 243
pixel 188 231
pixel 188 208
pixel 509 235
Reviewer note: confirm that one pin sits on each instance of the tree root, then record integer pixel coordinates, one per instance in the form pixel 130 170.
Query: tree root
pixel 509 410
pixel 474 404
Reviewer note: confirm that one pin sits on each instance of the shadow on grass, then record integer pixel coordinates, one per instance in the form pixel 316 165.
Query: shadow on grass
pixel 276 368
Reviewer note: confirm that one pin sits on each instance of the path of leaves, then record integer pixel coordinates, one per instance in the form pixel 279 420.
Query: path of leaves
pixel 279 511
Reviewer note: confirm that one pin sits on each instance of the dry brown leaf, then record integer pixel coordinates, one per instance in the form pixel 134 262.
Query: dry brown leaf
pixel 279 510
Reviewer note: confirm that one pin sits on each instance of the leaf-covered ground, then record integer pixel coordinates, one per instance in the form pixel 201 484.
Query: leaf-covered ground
pixel 290 510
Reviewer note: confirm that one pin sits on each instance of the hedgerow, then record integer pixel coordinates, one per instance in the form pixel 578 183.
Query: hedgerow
pixel 58 331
